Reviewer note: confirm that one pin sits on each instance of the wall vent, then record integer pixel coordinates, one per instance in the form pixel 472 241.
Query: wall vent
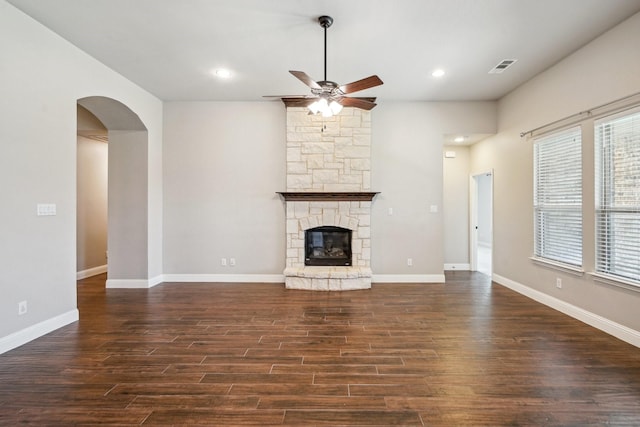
pixel 503 65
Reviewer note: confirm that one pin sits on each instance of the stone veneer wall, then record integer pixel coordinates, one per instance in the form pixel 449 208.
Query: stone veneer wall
pixel 328 155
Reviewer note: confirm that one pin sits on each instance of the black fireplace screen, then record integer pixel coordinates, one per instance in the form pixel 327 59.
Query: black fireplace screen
pixel 327 246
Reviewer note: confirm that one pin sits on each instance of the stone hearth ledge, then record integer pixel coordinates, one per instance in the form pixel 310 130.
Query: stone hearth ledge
pixel 328 278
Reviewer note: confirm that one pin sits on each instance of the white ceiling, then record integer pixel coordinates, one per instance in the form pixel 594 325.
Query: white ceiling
pixel 169 47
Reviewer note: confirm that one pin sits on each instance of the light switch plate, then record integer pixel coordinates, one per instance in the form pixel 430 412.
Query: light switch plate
pixel 46 209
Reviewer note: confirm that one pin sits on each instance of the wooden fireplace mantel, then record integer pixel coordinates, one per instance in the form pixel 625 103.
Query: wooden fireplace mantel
pixel 304 102
pixel 340 196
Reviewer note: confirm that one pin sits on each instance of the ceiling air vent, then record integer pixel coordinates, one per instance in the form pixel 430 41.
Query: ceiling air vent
pixel 503 65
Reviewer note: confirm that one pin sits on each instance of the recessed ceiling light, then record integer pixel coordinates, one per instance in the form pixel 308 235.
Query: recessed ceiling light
pixel 222 73
pixel 438 73
pixel 459 139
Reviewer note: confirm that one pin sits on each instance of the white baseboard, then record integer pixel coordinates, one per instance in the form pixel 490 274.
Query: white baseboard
pixel 19 338
pixel 279 278
pixel 90 272
pixel 221 278
pixel 454 267
pixel 407 278
pixel 257 278
pixel 622 332
pixel 156 280
pixel 134 283
pixel 128 284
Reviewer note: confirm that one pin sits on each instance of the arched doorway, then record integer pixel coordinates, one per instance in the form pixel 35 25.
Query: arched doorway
pixel 127 191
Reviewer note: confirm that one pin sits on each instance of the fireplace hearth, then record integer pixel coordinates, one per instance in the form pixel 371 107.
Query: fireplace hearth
pixel 328 246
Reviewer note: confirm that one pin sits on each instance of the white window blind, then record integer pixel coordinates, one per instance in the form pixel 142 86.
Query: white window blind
pixel 617 195
pixel 558 197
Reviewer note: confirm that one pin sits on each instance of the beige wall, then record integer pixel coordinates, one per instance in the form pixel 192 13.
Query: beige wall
pixel 92 204
pixel 456 208
pixel 602 71
pixel 225 161
pixel 92 160
pixel 127 205
pixel 38 145
pixel 407 168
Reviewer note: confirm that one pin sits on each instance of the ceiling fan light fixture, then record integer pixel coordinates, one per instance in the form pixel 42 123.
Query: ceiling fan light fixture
pixel 317 106
pixel 324 107
pixel 314 108
pixel 335 107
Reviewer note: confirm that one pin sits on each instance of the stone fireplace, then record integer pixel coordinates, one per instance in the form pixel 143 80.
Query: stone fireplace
pixel 328 188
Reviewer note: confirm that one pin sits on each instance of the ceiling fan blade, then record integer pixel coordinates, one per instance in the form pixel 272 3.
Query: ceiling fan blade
pixel 298 102
pixel 363 104
pixel 366 83
pixel 287 96
pixel 304 78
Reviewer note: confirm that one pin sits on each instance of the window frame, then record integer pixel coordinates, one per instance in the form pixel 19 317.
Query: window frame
pixel 552 200
pixel 607 272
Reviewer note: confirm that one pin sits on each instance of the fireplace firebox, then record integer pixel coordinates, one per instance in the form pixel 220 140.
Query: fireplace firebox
pixel 328 246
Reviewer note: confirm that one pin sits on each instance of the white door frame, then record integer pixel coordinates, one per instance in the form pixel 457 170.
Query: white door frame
pixel 473 218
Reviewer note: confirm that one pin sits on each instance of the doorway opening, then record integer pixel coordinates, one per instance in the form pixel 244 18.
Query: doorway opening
pixel 126 138
pixel 91 195
pixel 481 250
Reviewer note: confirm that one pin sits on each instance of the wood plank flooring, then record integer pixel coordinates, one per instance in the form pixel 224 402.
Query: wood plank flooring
pixel 467 352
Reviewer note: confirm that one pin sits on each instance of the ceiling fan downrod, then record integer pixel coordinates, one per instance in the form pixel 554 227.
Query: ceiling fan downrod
pixel 325 22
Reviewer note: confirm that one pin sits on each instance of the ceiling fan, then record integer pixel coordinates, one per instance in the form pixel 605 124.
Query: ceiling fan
pixel 329 97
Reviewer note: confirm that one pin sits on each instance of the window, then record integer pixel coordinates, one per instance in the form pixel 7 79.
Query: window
pixel 617 194
pixel 558 197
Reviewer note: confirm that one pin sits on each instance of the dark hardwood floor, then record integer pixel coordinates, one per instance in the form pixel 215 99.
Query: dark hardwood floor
pixel 467 352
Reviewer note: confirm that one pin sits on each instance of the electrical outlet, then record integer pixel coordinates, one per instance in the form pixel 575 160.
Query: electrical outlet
pixel 232 262
pixel 558 283
pixel 410 262
pixel 22 308
pixel 223 262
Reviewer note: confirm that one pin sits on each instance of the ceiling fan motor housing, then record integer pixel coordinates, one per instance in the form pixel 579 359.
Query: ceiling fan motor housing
pixel 327 88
